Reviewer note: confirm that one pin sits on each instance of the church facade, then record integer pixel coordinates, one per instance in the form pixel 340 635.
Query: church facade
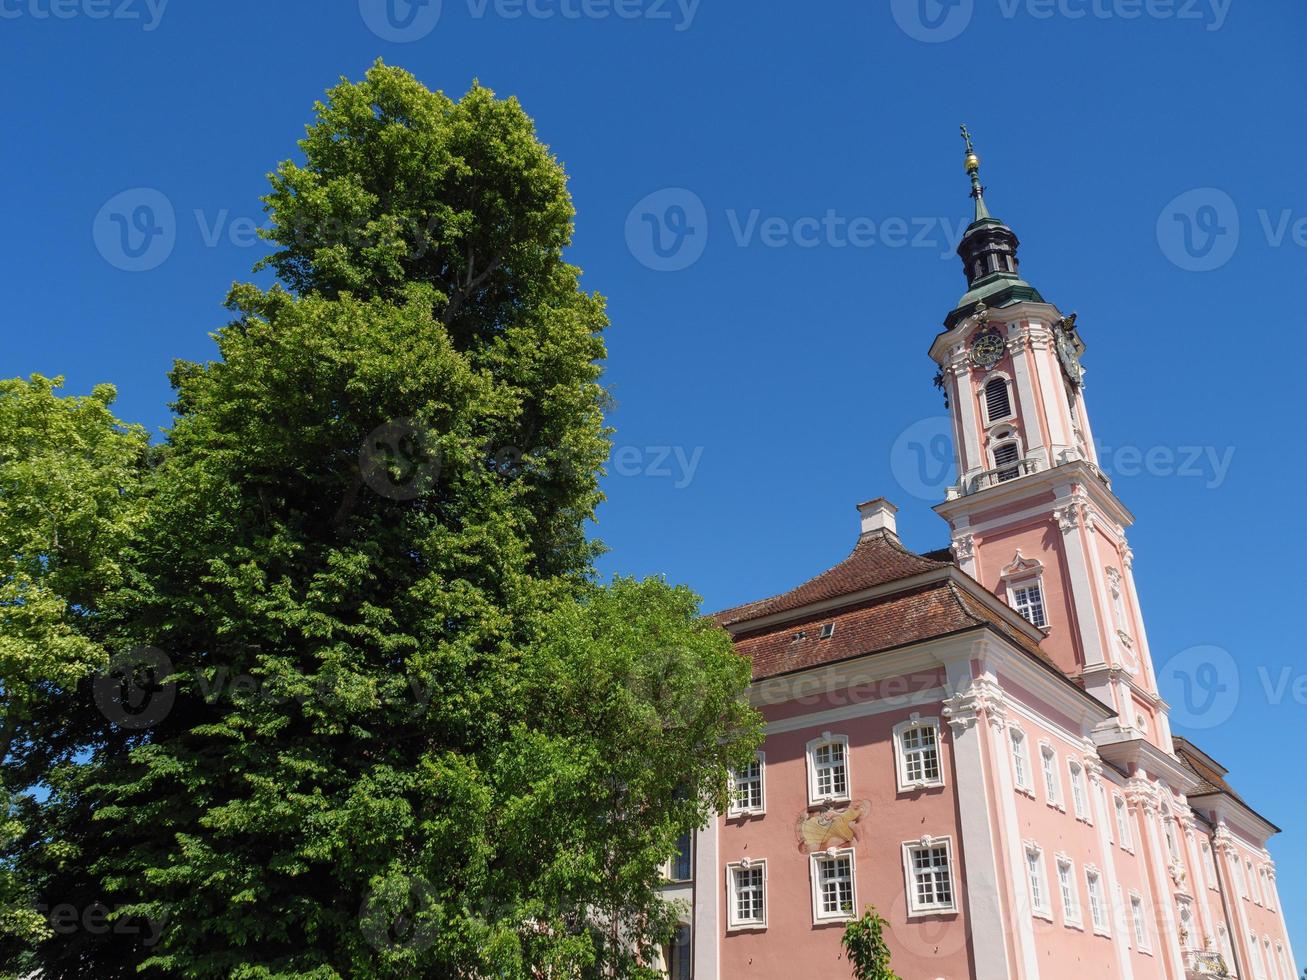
pixel 972 740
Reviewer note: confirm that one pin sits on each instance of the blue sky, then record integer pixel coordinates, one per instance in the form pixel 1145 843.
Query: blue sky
pixel 768 357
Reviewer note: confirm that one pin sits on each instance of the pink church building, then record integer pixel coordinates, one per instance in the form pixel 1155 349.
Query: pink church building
pixel 972 740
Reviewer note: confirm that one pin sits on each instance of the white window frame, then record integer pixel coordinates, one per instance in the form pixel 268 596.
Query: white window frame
pixel 1099 918
pixel 1259 971
pixel 1223 945
pixel 1209 865
pixel 1171 837
pixel 1283 959
pixel 1041 899
pixel 1035 582
pixel 814 869
pixel 1238 876
pixel 914 722
pixel 1123 831
pixel 1022 774
pixel 668 871
pixel 1139 924
pixel 1011 399
pixel 1252 884
pixel 910 848
pixel 815 798
pixel 733 922
pixel 1079 794
pixel 1052 780
pixel 735 810
pixel 1072 914
pixel 1268 897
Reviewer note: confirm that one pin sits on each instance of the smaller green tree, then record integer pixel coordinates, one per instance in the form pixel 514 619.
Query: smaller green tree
pixel 865 945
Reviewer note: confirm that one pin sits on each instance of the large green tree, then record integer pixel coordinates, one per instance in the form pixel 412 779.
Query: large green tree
pixel 392 727
pixel 71 498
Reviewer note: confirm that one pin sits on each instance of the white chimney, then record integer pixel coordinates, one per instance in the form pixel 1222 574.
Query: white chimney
pixel 878 515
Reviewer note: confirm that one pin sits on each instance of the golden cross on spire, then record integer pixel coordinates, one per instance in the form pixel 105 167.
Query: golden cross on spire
pixel 972 163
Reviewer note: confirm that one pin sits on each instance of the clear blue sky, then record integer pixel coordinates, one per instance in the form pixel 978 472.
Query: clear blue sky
pixel 787 356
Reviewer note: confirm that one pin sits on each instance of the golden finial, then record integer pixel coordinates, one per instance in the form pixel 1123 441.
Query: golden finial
pixel 972 162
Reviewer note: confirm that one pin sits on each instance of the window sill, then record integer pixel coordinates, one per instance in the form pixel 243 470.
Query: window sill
pixel 834 920
pixel 942 911
pixel 1046 915
pixel 747 927
pixel 1078 926
pixel 828 801
pixel 919 787
pixel 1102 932
pixel 1026 791
pixel 744 814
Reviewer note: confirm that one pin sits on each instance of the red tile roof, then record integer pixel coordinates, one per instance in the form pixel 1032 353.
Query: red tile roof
pixel 878 559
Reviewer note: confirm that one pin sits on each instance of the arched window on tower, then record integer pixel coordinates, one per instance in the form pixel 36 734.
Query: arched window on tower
pixel 998 403
pixel 1006 459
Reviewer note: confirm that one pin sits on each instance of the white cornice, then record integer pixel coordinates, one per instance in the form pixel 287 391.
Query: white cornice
pixel 1025 310
pixel 1052 480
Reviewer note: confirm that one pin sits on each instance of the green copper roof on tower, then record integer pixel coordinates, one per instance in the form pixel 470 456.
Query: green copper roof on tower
pixel 972 164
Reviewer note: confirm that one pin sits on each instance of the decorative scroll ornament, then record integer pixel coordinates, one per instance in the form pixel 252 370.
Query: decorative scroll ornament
pixel 984 696
pixel 1021 565
pixel 964 547
pixel 1141 795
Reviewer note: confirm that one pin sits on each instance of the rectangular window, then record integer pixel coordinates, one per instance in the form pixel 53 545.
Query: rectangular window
pixel 1020 760
pixel 1252 884
pixel 918 751
pixel 748 899
pixel 1028 600
pixel 833 886
pixel 1284 961
pixel 1139 922
pixel 1066 881
pixel 1052 786
pixel 1223 943
pixel 1258 971
pixel 1123 824
pixel 1078 797
pixel 1039 903
pixel 1209 865
pixel 1097 904
pixel 1268 897
pixel 1239 879
pixel 747 796
pixel 679 866
pixel 828 762
pixel 676 955
pixel 930 878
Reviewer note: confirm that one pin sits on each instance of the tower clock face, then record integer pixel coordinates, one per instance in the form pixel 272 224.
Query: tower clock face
pixel 1069 356
pixel 987 349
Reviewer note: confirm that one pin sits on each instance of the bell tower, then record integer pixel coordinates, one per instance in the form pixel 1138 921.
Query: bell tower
pixel 1033 518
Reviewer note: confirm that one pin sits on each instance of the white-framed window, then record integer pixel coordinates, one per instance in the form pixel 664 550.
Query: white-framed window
pixel 998 400
pixel 1139 923
pixel 1052 785
pixel 834 889
pixel 1007 460
pixel 1252 884
pixel 1097 901
pixel 1283 961
pixel 1040 901
pixel 828 768
pixel 1209 866
pixel 1255 947
pixel 1078 797
pixel 1239 878
pixel 1021 761
pixel 916 750
pixel 747 788
pixel 747 905
pixel 928 868
pixel 1270 959
pixel 1027 598
pixel 1102 807
pixel 1066 883
pixel 1268 897
pixel 1123 823
pixel 1172 844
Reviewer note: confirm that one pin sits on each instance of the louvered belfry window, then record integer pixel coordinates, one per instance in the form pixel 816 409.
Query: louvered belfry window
pixel 1005 460
pixel 997 404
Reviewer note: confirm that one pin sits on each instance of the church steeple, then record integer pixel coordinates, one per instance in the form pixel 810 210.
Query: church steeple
pixel 989 253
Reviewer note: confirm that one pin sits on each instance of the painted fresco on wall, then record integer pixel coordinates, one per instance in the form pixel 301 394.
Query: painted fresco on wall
pixel 830 828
